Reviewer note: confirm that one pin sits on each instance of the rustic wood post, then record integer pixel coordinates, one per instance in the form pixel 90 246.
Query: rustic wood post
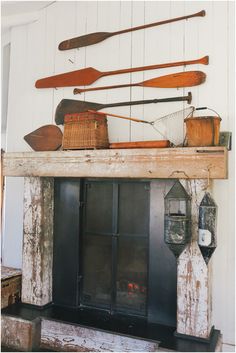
pixel 193 276
pixel 38 241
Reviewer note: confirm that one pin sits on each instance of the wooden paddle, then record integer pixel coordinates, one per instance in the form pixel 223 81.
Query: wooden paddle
pixel 45 138
pixel 89 75
pixel 70 106
pixel 97 37
pixel 179 79
pixel 141 144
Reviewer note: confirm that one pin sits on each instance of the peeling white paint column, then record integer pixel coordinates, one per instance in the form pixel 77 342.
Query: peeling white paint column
pixel 194 276
pixel 38 241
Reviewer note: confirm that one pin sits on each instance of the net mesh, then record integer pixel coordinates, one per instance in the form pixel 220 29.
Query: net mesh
pixel 171 126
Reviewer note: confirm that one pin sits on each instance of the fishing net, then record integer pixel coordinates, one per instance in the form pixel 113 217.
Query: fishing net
pixel 171 126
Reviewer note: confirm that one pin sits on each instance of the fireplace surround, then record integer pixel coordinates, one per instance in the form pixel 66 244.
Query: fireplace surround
pixel 109 233
pixel 194 167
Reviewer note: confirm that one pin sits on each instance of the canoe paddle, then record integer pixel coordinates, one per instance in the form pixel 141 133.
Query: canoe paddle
pixel 70 106
pixel 87 76
pixel 179 79
pixel 97 37
pixel 45 138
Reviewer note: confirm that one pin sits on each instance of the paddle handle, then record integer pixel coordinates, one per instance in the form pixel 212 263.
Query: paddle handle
pixel 81 90
pixel 198 14
pixel 121 117
pixel 187 98
pixel 204 60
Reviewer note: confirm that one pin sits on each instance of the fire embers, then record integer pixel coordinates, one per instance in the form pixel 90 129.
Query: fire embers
pixel 207 227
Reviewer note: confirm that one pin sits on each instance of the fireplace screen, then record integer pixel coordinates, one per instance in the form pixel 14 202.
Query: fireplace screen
pixel 115 246
pixel 108 248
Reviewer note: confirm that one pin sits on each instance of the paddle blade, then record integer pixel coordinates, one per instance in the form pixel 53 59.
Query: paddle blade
pixel 179 79
pixel 46 138
pixel 70 106
pixel 79 77
pixel 83 41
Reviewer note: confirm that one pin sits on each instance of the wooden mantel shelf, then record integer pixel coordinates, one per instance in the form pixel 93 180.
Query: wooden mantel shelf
pixel 184 163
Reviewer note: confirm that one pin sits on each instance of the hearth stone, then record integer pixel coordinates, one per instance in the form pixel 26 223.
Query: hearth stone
pixel 59 330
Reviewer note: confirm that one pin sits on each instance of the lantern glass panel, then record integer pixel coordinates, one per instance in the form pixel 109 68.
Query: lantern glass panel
pixel 177 207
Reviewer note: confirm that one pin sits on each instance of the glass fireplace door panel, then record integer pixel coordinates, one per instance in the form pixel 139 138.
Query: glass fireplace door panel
pixel 98 214
pixel 132 247
pixel 97 244
pixel 97 271
pixel 133 213
pixel 115 245
pixel 131 284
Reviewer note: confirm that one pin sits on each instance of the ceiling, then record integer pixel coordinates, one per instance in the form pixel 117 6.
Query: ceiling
pixel 9 8
pixel 15 13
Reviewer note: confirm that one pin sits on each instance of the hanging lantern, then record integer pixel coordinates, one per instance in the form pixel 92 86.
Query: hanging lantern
pixel 207 226
pixel 177 219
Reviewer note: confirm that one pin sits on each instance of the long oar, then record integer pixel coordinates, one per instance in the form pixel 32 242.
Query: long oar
pixel 89 75
pixel 70 106
pixel 93 38
pixel 179 79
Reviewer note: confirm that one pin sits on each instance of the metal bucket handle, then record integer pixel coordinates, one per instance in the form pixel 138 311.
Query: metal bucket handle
pixel 200 108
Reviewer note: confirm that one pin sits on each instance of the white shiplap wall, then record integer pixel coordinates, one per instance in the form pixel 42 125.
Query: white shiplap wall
pixel 34 55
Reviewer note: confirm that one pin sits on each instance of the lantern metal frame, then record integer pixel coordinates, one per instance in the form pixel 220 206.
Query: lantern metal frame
pixel 177 225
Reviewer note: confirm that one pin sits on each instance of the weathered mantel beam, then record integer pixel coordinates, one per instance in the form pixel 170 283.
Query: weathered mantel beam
pixel 184 163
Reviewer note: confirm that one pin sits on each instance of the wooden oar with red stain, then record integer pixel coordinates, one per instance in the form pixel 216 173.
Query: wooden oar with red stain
pixel 140 144
pixel 87 76
pixel 177 80
pixel 45 138
pixel 97 37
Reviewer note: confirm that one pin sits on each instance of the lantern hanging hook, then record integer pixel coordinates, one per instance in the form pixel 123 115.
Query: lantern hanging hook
pixel 178 172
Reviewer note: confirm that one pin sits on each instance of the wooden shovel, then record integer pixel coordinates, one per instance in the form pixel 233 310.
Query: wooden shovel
pixel 45 138
pixel 70 106
pixel 89 75
pixel 179 79
pixel 93 38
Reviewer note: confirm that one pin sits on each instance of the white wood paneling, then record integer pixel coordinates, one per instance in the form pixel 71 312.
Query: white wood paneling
pixel 34 55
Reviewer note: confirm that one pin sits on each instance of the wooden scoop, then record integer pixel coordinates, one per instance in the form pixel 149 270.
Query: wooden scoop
pixel 45 138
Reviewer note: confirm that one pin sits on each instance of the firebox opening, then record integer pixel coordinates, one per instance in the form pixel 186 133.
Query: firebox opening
pixel 109 250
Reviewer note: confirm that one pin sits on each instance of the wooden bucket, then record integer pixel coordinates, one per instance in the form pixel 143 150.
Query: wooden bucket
pixel 203 130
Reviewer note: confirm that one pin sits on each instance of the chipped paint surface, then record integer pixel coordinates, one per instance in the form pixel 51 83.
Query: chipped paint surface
pixel 187 162
pixel 73 338
pixel 38 241
pixel 193 280
pixel 20 334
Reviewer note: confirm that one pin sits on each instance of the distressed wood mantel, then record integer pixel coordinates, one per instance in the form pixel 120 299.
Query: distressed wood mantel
pixel 184 163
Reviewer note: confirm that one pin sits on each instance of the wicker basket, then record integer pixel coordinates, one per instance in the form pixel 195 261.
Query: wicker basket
pixel 85 131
